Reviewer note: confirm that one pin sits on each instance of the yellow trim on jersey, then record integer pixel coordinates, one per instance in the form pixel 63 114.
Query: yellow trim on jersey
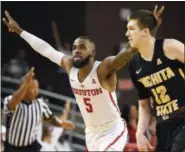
pixel 181 73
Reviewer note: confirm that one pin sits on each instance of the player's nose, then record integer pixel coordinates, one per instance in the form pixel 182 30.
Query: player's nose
pixel 127 33
pixel 77 52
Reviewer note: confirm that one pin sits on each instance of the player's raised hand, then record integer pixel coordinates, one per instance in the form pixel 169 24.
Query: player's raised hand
pixel 12 25
pixel 157 14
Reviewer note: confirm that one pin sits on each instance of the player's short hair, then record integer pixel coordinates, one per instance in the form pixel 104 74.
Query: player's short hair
pixel 145 19
pixel 90 40
pixel 85 38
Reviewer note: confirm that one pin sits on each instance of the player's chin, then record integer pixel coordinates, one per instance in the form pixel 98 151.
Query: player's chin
pixel 132 45
pixel 76 62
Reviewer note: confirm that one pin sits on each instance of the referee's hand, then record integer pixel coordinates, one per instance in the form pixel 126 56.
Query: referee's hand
pixel 66 124
pixel 29 76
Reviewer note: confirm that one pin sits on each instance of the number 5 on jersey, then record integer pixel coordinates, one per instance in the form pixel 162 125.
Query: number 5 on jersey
pixel 88 105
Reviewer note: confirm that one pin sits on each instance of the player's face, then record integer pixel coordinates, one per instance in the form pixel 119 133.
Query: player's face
pixel 134 33
pixel 33 89
pixel 82 52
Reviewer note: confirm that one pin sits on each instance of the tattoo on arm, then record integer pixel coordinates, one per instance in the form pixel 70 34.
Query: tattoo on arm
pixel 123 57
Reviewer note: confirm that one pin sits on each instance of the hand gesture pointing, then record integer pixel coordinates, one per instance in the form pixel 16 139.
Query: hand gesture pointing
pixel 12 25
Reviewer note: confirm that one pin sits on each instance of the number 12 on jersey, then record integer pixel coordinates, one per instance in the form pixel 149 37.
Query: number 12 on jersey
pixel 88 105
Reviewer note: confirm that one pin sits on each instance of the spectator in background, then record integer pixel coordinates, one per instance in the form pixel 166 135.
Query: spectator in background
pixel 133 118
pixel 130 114
pixel 2 129
pixel 61 74
pixel 66 47
pixel 3 136
pixel 51 134
pixel 16 67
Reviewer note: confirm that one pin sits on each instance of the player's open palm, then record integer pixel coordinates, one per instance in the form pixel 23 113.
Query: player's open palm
pixel 12 25
pixel 68 125
pixel 143 143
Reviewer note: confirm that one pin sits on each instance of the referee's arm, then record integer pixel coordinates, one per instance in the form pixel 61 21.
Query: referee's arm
pixel 19 94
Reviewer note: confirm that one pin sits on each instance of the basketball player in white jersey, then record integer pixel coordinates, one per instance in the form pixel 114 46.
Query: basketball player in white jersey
pixel 93 84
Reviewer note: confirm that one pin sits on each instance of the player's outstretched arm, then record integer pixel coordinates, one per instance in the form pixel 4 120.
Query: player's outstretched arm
pixel 36 43
pixel 122 58
pixel 113 63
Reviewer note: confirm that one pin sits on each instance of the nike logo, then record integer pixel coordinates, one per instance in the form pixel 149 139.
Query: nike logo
pixel 72 80
pixel 137 72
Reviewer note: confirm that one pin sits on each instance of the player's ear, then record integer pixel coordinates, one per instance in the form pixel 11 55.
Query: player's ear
pixel 93 52
pixel 146 30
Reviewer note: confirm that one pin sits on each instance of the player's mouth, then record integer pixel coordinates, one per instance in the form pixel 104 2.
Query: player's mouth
pixel 77 58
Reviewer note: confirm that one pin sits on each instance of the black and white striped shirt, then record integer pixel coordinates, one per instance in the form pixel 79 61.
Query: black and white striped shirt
pixel 25 121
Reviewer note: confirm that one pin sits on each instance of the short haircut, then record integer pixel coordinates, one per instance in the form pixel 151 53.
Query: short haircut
pixel 86 38
pixel 90 40
pixel 145 19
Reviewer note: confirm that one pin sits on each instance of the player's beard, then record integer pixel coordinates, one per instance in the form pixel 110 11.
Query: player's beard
pixel 81 64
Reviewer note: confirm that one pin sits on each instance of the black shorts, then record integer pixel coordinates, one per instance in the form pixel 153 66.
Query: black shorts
pixel 34 147
pixel 171 134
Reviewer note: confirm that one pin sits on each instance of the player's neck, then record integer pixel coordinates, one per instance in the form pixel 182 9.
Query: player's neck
pixel 147 49
pixel 83 72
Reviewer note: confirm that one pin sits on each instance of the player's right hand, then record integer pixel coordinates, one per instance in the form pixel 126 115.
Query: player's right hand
pixel 29 76
pixel 12 25
pixel 143 143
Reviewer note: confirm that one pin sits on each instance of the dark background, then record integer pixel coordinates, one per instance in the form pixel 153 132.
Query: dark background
pixel 98 20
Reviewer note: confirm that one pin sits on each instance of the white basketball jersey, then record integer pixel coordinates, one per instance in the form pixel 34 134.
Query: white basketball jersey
pixel 98 106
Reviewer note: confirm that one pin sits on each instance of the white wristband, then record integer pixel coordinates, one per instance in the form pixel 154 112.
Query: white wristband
pixel 42 47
